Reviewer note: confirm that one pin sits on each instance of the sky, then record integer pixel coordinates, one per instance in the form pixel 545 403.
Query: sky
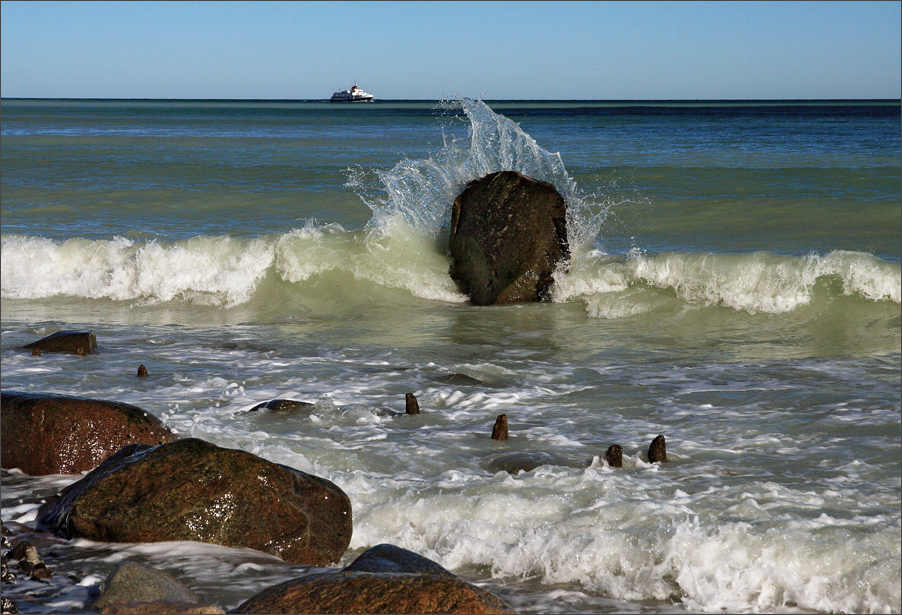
pixel 434 50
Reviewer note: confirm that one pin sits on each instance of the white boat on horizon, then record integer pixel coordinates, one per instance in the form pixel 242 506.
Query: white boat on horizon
pixel 354 94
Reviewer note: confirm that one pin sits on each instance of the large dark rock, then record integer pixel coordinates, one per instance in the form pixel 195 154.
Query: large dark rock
pixel 508 234
pixel 385 579
pixel 55 434
pixel 77 342
pixel 194 490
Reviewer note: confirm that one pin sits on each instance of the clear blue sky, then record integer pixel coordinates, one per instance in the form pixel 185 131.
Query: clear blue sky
pixel 563 50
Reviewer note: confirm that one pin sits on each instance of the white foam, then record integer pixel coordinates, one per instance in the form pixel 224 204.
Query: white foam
pixel 759 282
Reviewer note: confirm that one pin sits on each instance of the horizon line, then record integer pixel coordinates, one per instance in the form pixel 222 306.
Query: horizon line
pixel 576 100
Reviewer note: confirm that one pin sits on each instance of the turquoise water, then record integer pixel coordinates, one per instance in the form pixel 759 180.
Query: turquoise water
pixel 735 285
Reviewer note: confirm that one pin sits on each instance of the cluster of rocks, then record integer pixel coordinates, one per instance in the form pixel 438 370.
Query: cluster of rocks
pixel 657 452
pixel 145 484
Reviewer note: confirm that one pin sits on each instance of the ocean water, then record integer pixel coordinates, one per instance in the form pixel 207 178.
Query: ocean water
pixel 734 285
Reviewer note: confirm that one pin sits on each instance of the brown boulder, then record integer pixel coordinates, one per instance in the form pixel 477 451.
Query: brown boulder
pixel 508 234
pixel 193 490
pixel 56 434
pixel 76 342
pixel 385 579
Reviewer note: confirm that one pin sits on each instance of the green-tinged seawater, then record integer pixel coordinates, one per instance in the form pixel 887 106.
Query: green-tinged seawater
pixel 735 286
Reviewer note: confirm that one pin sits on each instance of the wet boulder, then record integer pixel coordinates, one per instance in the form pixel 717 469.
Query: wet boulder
pixel 194 490
pixel 508 235
pixel 385 579
pixel 76 342
pixel 57 434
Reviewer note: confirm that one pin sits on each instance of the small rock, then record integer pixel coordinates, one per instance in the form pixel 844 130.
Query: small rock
pixel 24 550
pixel 499 431
pixel 614 456
pixel 513 463
pixel 160 607
pixel 389 558
pixel 131 582
pixel 40 571
pixel 142 371
pixel 460 379
pixel 411 404
pixel 284 405
pixel 657 450
pixel 36 352
pixel 78 342
pixel 6 577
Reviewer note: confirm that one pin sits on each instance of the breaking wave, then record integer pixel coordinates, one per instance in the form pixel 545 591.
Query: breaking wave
pixel 224 271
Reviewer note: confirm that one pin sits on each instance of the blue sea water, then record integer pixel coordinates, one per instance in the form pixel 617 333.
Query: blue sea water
pixel 734 285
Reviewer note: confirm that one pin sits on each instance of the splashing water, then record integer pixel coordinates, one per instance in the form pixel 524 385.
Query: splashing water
pixel 421 192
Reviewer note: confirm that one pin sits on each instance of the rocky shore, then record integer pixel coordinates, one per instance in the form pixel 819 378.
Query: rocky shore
pixel 144 484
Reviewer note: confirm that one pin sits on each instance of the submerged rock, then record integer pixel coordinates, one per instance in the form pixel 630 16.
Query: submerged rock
pixel 657 450
pixel 194 490
pixel 513 463
pixel 136 588
pixel 57 434
pixel 142 371
pixel 76 342
pixel 499 430
pixel 508 234
pixel 385 579
pixel 461 379
pixel 284 405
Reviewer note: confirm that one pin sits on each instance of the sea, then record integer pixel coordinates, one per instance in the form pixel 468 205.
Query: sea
pixel 734 285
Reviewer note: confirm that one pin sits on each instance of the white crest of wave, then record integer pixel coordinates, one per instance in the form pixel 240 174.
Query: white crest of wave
pixel 206 270
pixel 759 282
pixel 422 192
pixel 220 271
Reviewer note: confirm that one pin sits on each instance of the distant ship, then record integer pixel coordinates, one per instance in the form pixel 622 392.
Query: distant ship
pixel 355 94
